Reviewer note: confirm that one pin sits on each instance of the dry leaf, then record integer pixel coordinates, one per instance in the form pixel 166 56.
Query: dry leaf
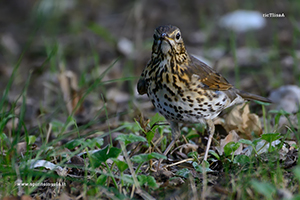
pixel 12 123
pixel 21 147
pixel 244 122
pixel 292 144
pixel 69 87
pixel 110 161
pixel 77 160
pixel 231 137
pixel 186 148
pixel 64 196
pixel 48 165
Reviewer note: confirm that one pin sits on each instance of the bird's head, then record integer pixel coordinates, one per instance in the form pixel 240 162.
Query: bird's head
pixel 168 42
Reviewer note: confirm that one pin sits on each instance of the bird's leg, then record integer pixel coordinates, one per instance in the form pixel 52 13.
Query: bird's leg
pixel 175 135
pixel 211 130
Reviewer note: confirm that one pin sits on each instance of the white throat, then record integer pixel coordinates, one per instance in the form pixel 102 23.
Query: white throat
pixel 165 47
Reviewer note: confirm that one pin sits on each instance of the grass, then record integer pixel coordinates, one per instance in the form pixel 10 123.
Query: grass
pixel 104 148
pixel 102 174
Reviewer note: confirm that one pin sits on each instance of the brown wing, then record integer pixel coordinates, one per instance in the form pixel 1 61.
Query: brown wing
pixel 209 77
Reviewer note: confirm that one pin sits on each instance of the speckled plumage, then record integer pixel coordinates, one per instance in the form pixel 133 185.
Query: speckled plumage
pixel 184 89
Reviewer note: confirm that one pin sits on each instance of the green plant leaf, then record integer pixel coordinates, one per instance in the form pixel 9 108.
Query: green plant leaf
pixel 270 137
pixel 256 141
pixel 241 159
pixel 192 133
pixel 296 197
pixel 127 179
pixel 57 125
pixel 127 139
pixel 147 181
pixel 262 103
pixel 279 113
pixel 156 118
pixel 156 155
pixel 74 143
pixel 163 143
pixel 102 155
pixel 4 121
pixel 95 142
pixel 92 191
pixel 3 137
pixel 98 141
pixel 99 157
pixel 149 136
pixel 183 172
pixel 265 189
pixel 114 152
pixel 31 139
pixel 193 154
pixel 122 166
pixel 199 167
pixel 244 141
pixel 101 179
pixel 231 147
pixel 146 157
pixel 215 154
pixel 296 171
pixel 134 127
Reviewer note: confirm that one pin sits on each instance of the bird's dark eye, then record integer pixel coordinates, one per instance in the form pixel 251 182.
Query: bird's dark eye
pixel 177 36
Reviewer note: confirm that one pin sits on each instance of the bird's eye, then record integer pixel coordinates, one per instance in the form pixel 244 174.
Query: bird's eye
pixel 177 36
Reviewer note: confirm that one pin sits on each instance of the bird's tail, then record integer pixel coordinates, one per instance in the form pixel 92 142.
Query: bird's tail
pixel 250 96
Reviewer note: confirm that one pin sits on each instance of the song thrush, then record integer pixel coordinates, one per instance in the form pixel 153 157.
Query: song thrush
pixel 184 89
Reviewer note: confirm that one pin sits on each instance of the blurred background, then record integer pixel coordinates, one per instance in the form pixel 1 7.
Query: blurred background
pixel 95 50
pixel 69 69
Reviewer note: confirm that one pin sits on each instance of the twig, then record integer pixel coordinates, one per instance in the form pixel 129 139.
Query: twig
pixel 136 183
pixel 179 162
pixel 204 189
pixel 48 132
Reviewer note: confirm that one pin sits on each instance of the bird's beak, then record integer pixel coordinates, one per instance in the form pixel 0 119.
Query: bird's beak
pixel 164 36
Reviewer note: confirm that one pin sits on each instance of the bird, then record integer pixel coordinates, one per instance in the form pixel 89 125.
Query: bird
pixel 184 89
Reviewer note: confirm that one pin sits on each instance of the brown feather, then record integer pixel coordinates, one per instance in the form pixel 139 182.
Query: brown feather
pixel 209 77
pixel 215 81
pixel 250 96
